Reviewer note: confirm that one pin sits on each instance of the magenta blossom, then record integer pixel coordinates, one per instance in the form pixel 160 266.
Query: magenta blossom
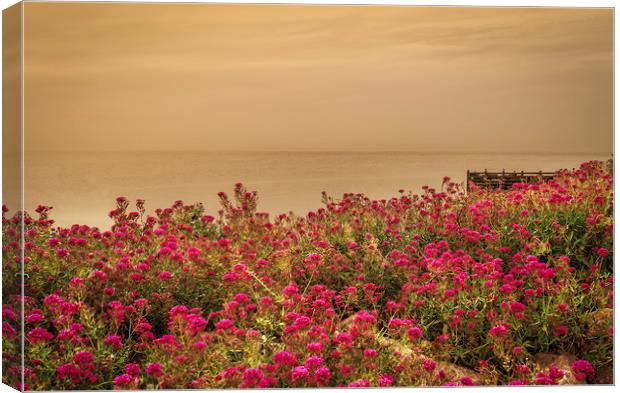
pixel 154 369
pixel 582 369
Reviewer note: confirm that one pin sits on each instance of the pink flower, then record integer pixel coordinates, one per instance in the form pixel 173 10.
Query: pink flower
pixel 300 372
pixel 224 324
pixel 283 358
pixel 164 251
pixel 230 277
pixel 351 245
pixel 301 322
pixel 164 276
pixel 555 373
pixel 344 339
pixel 39 334
pixel 314 361
pixel 266 301
pixel 67 370
pixel 499 331
pixel 114 341
pixel 522 369
pixel 429 365
pixel 123 379
pixel 290 290
pixel 543 379
pixel 83 357
pixel 178 310
pixel 322 375
pixel 560 330
pixel 132 369
pixel 582 369
pixel 517 307
pixel 314 347
pixel 242 298
pixel 252 376
pixel 415 333
pixel 360 383
pixel 61 252
pixel 154 369
pixel 602 252
pixel 365 318
pixel 386 380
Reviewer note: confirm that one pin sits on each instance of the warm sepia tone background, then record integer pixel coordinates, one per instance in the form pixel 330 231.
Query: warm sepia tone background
pixel 11 106
pixel 131 80
pixel 259 77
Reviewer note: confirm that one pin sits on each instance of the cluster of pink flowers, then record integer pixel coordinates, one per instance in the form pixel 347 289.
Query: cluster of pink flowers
pixel 443 288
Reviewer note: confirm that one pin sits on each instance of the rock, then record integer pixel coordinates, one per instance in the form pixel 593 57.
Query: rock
pixel 563 361
pixel 345 323
pixel 605 375
pixel 598 322
pixel 454 371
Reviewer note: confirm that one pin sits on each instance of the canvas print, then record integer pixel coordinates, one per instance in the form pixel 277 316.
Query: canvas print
pixel 214 196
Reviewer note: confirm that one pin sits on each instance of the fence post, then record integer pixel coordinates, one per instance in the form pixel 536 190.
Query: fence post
pixel 467 181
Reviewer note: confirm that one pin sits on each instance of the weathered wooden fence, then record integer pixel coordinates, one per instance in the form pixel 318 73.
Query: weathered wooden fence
pixel 504 180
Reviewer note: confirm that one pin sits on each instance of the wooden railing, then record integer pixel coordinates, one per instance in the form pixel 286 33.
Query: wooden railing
pixel 504 180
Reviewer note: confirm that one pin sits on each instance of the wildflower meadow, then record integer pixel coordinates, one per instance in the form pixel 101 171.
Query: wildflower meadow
pixel 445 288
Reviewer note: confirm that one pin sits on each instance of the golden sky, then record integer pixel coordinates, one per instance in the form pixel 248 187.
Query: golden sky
pixel 340 78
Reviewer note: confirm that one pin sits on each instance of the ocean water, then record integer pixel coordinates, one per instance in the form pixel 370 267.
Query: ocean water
pixel 82 187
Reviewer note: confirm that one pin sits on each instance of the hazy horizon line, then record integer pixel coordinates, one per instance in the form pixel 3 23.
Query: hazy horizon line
pixel 318 152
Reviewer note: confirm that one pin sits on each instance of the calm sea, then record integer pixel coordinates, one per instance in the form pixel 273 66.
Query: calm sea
pixel 82 187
